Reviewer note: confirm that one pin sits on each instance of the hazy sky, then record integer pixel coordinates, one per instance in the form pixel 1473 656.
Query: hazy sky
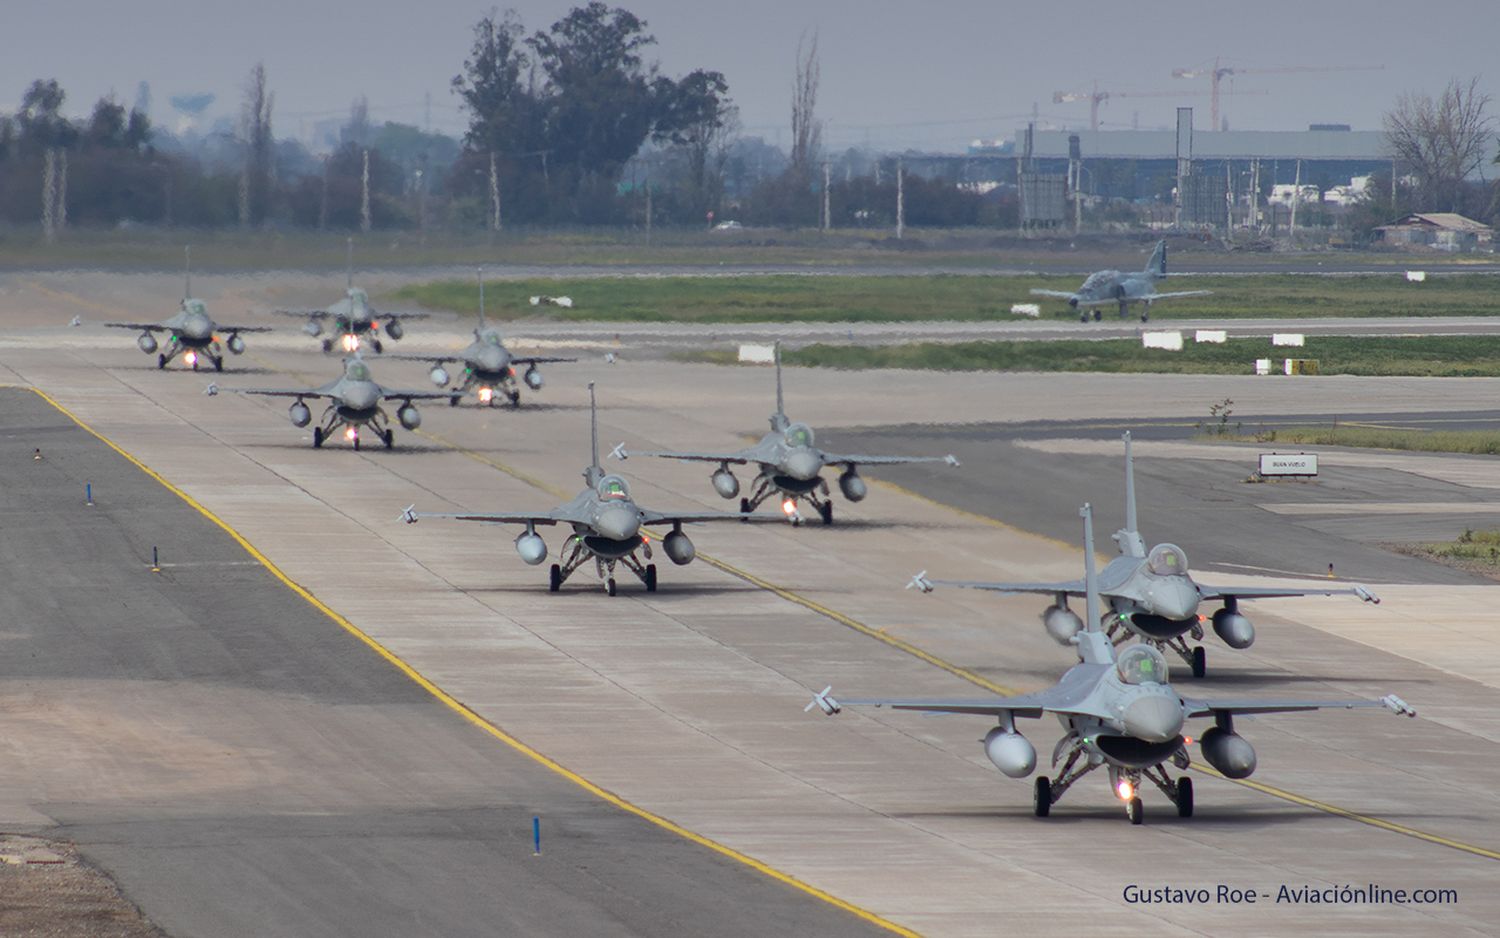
pixel 895 74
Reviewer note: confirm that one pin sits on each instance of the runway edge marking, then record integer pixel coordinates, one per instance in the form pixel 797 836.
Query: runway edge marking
pixel 472 716
pixel 986 683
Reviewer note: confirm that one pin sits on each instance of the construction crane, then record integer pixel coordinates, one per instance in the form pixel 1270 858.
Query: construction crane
pixel 1218 73
pixel 1097 97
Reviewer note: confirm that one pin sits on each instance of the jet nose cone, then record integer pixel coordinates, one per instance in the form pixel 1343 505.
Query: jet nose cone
pixel 197 326
pixel 491 359
pixel 803 464
pixel 618 523
pixel 1175 597
pixel 360 397
pixel 1155 718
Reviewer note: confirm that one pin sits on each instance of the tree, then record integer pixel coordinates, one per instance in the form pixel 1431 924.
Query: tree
pixel 698 118
pixel 40 119
pixel 601 101
pixel 1441 141
pixel 807 132
pixel 258 179
pixel 493 87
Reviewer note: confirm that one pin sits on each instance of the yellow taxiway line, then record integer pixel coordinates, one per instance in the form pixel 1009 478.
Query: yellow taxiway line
pixel 470 715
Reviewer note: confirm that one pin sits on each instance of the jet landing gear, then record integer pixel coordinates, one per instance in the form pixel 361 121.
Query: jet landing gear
pixel 577 555
pixel 1196 656
pixel 766 488
pixel 1126 784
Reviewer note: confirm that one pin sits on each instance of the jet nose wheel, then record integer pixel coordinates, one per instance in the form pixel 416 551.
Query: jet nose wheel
pixel 1043 796
pixel 610 587
pixel 1200 662
pixel 1135 811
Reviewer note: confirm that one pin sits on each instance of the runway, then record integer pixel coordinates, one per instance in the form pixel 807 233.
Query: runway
pixel 688 702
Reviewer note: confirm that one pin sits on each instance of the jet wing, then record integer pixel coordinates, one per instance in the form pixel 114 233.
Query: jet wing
pixel 1059 294
pixel 835 459
pixel 539 360
pixel 739 458
pixel 1023 705
pixel 142 326
pixel 659 517
pixel 394 394
pixel 304 313
pixel 1172 296
pixel 280 392
pixel 1071 587
pixel 386 315
pixel 433 359
pixel 1203 708
pixel 412 517
pixel 1278 592
pixel 221 327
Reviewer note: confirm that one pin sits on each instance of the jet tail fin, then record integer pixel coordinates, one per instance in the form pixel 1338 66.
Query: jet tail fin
pixel 1129 537
pixel 1157 265
pixel 593 430
pixel 780 407
pixel 187 271
pixel 1090 575
pixel 480 275
pixel 349 263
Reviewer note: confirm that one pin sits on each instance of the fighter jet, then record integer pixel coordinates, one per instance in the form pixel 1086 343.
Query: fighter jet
pixel 354 319
pixel 191 333
pixel 1105 287
pixel 1151 595
pixel 489 367
pixel 1118 712
pixel 790 465
pixel 354 401
pixel 608 526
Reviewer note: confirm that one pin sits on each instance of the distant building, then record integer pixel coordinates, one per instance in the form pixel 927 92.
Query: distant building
pixel 1443 231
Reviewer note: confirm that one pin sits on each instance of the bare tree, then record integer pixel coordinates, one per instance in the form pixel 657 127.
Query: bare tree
pixel 807 132
pixel 255 129
pixel 1441 141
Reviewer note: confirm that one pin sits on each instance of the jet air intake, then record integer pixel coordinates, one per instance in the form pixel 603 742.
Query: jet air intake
pixel 1228 752
pixel 531 547
pixel 1234 629
pixel 1011 752
pixel 853 486
pixel 725 483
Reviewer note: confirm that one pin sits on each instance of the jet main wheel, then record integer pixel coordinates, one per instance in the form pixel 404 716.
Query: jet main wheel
pixel 219 363
pixel 317 437
pixel 610 587
pixel 453 401
pixel 1200 662
pixel 327 346
pixel 650 577
pixel 515 398
pixel 744 506
pixel 377 346
pixel 554 579
pixel 1145 317
pixel 1135 811
pixel 390 438
pixel 1184 797
pixel 161 361
pixel 1042 796
pixel 826 510
pixel 1098 314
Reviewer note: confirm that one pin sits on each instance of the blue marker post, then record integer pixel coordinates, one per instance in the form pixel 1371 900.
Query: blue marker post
pixel 88 494
pixel 536 836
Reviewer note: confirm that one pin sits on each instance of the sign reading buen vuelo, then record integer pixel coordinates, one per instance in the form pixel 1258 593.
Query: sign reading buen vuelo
pixel 1288 464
